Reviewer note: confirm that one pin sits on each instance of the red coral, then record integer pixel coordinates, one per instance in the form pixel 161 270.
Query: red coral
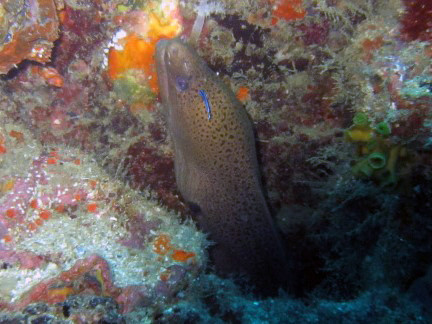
pixel 417 21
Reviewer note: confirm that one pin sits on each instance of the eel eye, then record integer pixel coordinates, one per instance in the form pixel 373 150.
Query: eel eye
pixel 182 83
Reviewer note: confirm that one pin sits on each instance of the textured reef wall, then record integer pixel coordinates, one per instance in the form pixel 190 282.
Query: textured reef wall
pixel 69 229
pixel 340 95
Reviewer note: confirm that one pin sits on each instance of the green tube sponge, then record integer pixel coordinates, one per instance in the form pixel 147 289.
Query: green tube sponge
pixel 383 129
pixel 360 119
pixel 377 160
pixel 362 169
pixel 389 176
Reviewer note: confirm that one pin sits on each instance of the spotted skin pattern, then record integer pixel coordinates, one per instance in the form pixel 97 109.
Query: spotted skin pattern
pixel 216 166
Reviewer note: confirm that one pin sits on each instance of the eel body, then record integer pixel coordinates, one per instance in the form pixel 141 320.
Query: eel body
pixel 216 166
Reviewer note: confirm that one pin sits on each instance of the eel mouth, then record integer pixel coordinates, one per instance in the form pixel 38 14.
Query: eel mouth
pixel 161 68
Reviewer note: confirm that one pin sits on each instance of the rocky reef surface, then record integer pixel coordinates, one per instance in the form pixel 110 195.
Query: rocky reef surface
pixel 92 228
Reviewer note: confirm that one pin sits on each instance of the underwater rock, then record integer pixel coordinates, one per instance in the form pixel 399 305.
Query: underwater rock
pixel 28 30
pixel 68 229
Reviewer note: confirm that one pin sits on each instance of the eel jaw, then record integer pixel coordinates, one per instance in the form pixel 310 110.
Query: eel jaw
pixel 162 73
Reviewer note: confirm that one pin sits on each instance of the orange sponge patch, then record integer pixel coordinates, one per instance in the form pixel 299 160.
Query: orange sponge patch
pixel 138 51
pixel 136 54
pixel 243 94
pixel 288 10
pixel 182 256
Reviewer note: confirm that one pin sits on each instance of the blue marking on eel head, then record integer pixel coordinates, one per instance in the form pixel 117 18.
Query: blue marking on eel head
pixel 203 95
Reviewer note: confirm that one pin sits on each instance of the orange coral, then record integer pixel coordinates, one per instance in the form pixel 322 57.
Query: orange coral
pixel 45 214
pixel 136 54
pixel 11 213
pixel 7 238
pixel 287 10
pixel 138 50
pixel 162 244
pixel 52 160
pixel 243 94
pixel 92 207
pixel 182 256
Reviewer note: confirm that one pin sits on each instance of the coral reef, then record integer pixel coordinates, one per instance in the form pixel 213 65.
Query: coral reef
pixel 86 169
pixel 67 230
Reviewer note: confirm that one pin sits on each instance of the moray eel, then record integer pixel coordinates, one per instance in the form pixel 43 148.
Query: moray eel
pixel 216 166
